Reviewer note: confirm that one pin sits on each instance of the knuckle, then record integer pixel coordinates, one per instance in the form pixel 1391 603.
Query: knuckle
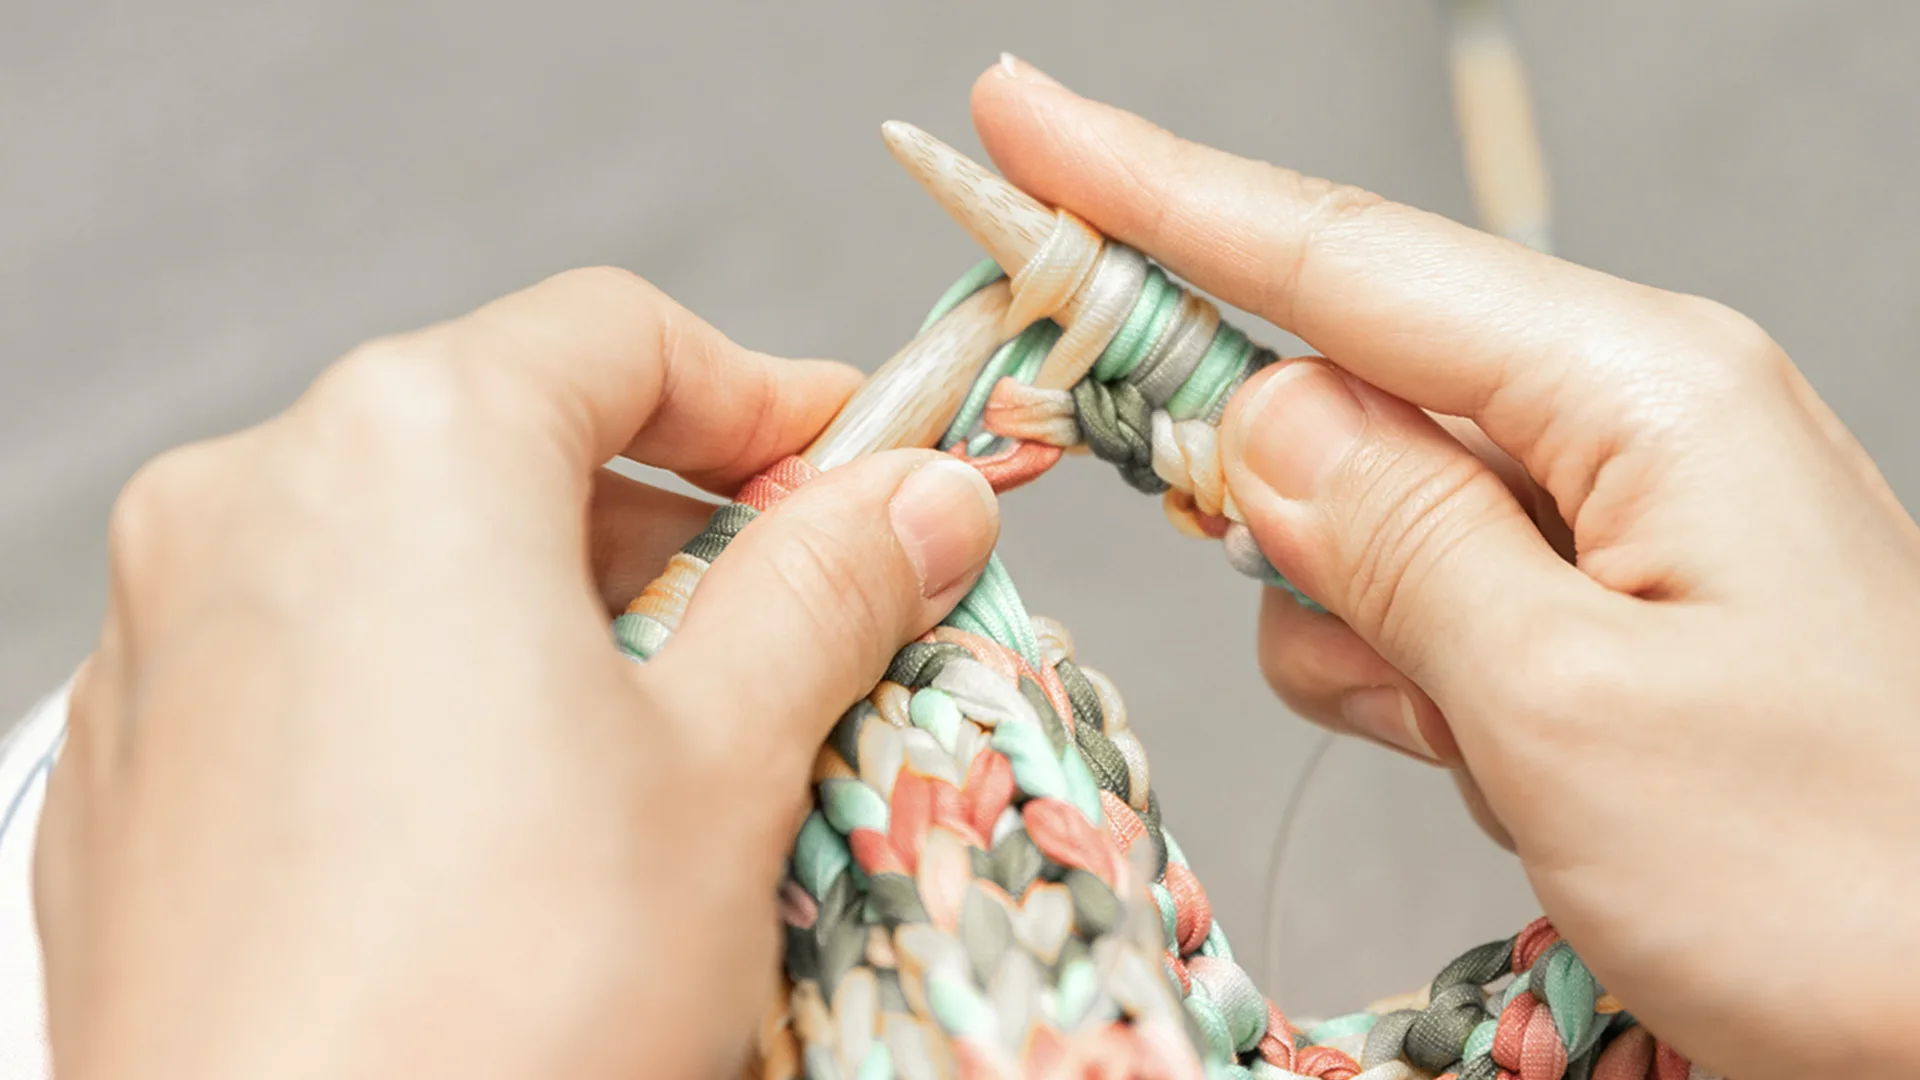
pixel 1726 335
pixel 1331 205
pixel 434 386
pixel 1414 515
pixel 846 598
pixel 618 283
pixel 163 494
pixel 1562 678
pixel 759 390
pixel 406 389
pixel 408 398
pixel 1292 658
pixel 1326 208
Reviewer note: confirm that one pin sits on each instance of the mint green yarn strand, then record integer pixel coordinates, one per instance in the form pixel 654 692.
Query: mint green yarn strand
pixel 1169 915
pixel 1035 769
pixel 850 805
pixel 1035 342
pixel 1079 985
pixel 935 712
pixel 1159 301
pixel 1020 358
pixel 1083 791
pixel 820 855
pixel 975 403
pixel 959 1008
pixel 879 1063
pixel 1222 364
pixel 639 636
pixel 984 273
pixel 1520 985
pixel 981 445
pixel 1212 1025
pixel 1569 990
pixel 1216 944
pixel 1341 1027
pixel 993 609
pixel 1480 1043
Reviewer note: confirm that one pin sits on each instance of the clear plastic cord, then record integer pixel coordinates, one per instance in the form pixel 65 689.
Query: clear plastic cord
pixel 1277 863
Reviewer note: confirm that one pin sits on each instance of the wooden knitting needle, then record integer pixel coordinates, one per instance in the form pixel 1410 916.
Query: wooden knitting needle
pixel 912 398
pixel 909 402
pixel 1022 236
pixel 1009 223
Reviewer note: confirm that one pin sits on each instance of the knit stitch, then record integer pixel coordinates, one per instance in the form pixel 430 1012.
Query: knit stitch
pixel 985 887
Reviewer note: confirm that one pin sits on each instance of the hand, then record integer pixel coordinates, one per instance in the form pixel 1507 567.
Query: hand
pixel 357 784
pixel 1703 734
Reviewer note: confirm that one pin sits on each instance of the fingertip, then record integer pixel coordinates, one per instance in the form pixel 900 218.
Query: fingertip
pixel 1328 675
pixel 1010 80
pixel 819 389
pixel 946 518
pixel 1310 658
pixel 1014 113
pixel 1400 717
pixel 988 85
pixel 797 399
pixel 825 586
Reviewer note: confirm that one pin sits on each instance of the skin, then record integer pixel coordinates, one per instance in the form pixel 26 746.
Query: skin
pixel 357 786
pixel 1602 543
pixel 1701 732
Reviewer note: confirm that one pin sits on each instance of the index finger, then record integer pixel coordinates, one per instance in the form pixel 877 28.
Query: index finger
pixel 597 363
pixel 1442 315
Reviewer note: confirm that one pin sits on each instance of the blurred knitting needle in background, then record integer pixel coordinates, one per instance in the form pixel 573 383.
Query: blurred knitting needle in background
pixel 1499 141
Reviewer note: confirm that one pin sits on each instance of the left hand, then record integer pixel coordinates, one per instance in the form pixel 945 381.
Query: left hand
pixel 358 786
pixel 1710 779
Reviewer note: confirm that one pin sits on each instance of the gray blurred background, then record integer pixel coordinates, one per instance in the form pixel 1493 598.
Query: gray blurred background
pixel 203 201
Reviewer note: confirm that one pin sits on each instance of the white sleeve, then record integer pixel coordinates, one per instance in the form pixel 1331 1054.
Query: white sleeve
pixel 25 759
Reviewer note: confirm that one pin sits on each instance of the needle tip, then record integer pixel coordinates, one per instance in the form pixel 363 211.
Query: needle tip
pixel 1004 220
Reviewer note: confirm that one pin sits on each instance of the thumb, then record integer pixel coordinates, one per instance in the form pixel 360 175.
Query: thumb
pixel 1367 505
pixel 801 614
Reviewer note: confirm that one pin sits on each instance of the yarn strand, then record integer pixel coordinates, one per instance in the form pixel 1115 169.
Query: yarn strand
pixel 985 886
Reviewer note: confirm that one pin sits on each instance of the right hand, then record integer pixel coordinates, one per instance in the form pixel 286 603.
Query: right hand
pixel 1703 734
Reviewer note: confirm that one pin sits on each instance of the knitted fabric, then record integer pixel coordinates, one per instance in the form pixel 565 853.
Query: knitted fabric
pixel 985 887
pixel 1150 404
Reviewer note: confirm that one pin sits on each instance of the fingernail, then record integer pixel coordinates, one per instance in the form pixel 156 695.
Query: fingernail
pixel 945 515
pixel 1017 68
pixel 1298 427
pixel 1385 713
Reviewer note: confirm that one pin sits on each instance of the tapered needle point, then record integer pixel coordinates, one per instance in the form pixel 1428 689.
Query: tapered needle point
pixel 1010 224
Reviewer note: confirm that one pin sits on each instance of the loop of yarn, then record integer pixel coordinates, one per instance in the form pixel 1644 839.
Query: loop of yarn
pixel 1152 369
pixel 985 887
pixel 1525 1008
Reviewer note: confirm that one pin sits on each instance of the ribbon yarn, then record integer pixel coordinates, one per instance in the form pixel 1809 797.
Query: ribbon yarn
pixel 985 887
